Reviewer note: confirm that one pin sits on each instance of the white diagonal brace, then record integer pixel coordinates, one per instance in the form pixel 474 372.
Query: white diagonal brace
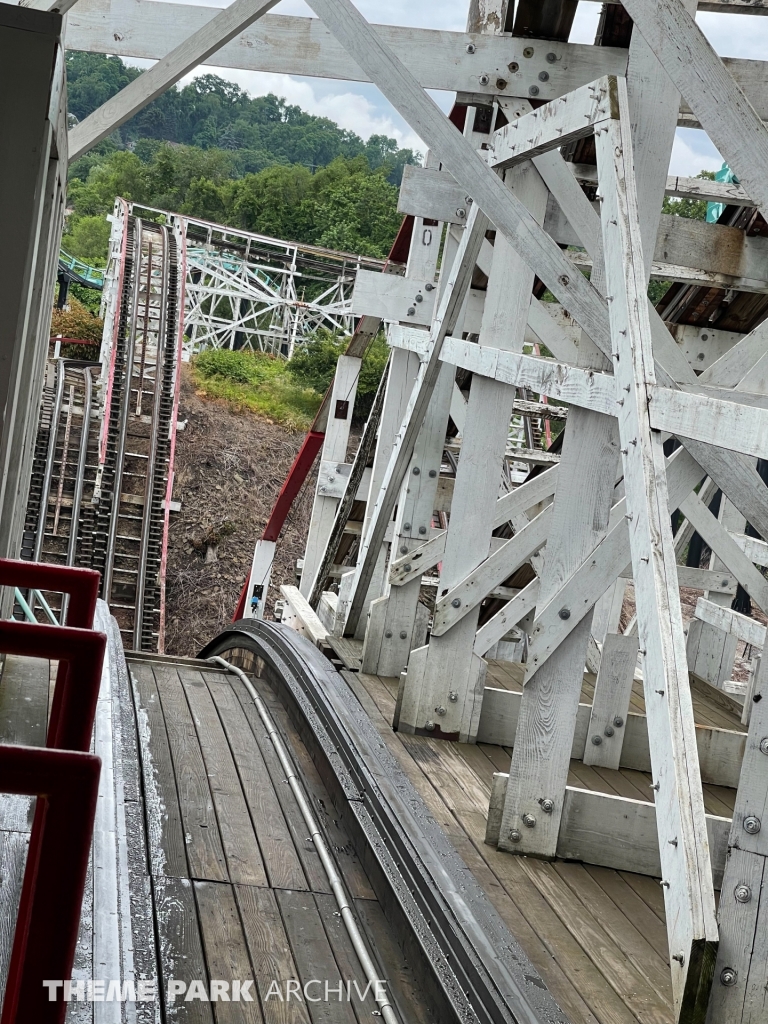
pixel 161 76
pixel 689 895
pixel 728 424
pixel 508 214
pixel 557 123
pixel 446 317
pixel 718 102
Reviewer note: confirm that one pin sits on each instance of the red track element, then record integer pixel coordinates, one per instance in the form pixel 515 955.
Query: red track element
pixel 82 585
pixel 297 474
pixel 66 784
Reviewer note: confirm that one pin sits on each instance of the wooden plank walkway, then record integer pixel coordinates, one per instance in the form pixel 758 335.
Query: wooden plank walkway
pixel 597 936
pixel 239 890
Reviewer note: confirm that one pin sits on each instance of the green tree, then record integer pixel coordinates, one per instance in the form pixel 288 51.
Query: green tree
pixel 88 239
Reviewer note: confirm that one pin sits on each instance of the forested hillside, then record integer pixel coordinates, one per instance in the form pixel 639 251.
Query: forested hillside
pixel 212 151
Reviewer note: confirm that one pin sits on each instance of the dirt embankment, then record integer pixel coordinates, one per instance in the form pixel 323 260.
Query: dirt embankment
pixel 229 470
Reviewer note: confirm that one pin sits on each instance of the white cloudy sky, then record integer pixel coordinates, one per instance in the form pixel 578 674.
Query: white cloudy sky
pixel 362 109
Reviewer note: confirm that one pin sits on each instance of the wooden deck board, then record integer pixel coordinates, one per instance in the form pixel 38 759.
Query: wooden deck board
pixel 597 936
pixel 167 849
pixel 205 852
pixel 207 759
pixel 280 857
pixel 313 953
pixel 226 951
pixel 241 847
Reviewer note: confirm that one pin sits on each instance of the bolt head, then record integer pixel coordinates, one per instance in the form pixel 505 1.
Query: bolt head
pixel 551 58
pixel 433 473
pixel 404 549
pixel 407 568
pixel 529 821
pixel 422 529
pixel 485 79
pixel 543 76
pixel 742 893
pixel 618 721
pixel 608 730
pixel 429 287
pixel 728 977
pixel 440 710
pixel 406 526
pixel 411 311
pixel 453 696
pixel 597 740
pixel 515 835
pixel 456 602
pixel 471 47
pixel 403 635
pixel 547 805
pixel 528 51
pixel 564 280
pixel 752 825
pixel 388 634
pixel 501 84
pixel 416 470
pixel 418 298
pixel 564 613
pixel 533 90
pixel 513 68
pixel 679 957
pixel 430 726
pixel 764 745
pixel 461 213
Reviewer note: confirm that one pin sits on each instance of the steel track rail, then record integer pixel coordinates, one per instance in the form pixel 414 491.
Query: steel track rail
pixel 470 966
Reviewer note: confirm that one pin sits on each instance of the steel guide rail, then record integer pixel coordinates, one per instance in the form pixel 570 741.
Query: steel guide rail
pixel 473 968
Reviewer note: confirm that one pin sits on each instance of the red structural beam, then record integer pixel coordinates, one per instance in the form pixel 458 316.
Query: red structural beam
pixel 66 784
pixel 82 585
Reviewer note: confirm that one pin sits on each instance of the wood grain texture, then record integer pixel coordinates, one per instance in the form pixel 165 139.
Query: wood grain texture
pixel 165 839
pixel 201 831
pixel 226 951
pixel 274 836
pixel 241 847
pixel 270 953
pixel 181 947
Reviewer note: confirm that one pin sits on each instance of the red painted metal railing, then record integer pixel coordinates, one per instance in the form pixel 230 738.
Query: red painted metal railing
pixel 66 784
pixel 82 585
pixel 67 780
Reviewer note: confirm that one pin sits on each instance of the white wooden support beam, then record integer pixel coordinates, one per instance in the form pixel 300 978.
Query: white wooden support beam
pixel 334 451
pixel 689 897
pixel 728 424
pixel 720 751
pixel 446 317
pixel 610 704
pixel 575 385
pixel 161 76
pixel 447 679
pixel 509 215
pixel 586 585
pixel 726 548
pixel 739 988
pixel 614 832
pixel 513 612
pixel 559 122
pixel 732 367
pixel 258 584
pixel 718 102
pixel 741 626
pixel 299 615
pixel 457 601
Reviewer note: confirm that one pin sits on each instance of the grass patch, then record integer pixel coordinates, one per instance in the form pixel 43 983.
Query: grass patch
pixel 258 383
